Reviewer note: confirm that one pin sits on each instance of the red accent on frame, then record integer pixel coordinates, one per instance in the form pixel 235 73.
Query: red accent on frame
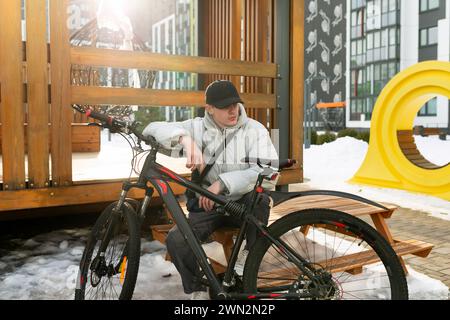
pixel 170 174
pixel 260 189
pixel 163 186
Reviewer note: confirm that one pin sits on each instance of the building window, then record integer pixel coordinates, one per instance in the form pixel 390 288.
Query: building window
pixel 429 109
pixel 428 36
pixel 427 5
pixel 374 53
pixel 358 23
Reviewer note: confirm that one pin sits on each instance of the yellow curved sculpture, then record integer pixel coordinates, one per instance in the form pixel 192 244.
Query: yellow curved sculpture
pixel 397 106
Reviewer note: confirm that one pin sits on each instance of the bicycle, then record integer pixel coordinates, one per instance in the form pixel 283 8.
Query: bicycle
pixel 314 267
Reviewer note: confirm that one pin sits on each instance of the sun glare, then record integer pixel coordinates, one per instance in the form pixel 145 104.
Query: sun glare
pixel 113 7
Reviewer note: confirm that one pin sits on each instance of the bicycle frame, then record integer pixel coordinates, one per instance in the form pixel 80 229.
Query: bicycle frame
pixel 159 176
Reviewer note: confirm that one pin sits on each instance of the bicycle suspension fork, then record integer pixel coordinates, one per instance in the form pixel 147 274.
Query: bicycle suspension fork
pixel 127 186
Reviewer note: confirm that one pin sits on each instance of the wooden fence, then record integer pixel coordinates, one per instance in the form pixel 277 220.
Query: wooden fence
pixel 54 187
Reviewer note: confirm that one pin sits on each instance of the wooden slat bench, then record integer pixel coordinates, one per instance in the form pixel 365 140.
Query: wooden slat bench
pixel 353 263
pixel 410 150
pixel 355 208
pixel 84 138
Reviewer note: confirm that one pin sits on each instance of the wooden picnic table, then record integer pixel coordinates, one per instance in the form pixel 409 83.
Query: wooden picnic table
pixel 378 216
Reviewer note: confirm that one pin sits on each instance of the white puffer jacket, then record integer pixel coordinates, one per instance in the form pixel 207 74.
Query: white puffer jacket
pixel 252 140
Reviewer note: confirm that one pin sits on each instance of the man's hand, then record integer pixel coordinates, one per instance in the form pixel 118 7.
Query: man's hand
pixel 207 204
pixel 193 153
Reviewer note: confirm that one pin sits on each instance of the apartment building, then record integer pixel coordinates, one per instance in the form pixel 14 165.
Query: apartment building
pixel 386 37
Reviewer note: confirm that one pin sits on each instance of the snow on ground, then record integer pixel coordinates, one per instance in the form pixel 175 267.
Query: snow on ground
pixel 329 167
pixel 45 268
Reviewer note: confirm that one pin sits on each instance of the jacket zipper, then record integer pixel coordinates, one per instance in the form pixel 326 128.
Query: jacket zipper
pixel 225 146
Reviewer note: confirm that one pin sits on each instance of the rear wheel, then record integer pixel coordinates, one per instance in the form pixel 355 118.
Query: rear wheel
pixel 110 275
pixel 351 259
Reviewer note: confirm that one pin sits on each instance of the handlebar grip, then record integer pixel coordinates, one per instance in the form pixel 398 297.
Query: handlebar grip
pixel 105 118
pixel 282 164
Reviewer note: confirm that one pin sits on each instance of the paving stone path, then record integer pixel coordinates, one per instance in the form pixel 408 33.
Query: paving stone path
pixel 408 224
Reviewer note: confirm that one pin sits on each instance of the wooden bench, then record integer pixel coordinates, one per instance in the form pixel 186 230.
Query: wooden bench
pixel 353 263
pixel 84 138
pixel 425 132
pixel 410 150
pixel 355 208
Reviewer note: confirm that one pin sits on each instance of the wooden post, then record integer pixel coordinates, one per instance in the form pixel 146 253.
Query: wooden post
pixel 283 51
pixel 38 107
pixel 12 107
pixel 297 82
pixel 61 115
pixel 264 50
pixel 236 17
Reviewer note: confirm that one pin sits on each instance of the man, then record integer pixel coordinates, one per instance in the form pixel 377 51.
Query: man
pixel 225 127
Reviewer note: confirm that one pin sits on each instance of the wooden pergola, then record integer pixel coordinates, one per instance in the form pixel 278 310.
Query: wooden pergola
pixel 269 68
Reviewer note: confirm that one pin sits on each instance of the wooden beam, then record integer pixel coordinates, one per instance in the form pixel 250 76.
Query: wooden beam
pixel 61 115
pixel 290 177
pixel 37 84
pixel 85 138
pixel 86 193
pixel 164 62
pixel 149 97
pixel 12 108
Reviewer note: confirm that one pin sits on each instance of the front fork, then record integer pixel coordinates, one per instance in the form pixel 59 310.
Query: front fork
pixel 99 263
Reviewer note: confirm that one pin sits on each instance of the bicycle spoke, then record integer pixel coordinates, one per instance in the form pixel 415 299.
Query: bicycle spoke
pixel 340 258
pixel 110 272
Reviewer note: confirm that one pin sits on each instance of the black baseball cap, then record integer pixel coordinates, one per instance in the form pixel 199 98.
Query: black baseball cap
pixel 221 94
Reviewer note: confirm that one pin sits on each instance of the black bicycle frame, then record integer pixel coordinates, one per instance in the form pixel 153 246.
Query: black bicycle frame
pixel 159 176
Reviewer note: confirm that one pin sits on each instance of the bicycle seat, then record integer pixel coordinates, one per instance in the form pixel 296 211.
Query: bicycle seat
pixel 280 164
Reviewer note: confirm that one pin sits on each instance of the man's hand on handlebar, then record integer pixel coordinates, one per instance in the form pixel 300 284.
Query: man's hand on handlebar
pixel 205 203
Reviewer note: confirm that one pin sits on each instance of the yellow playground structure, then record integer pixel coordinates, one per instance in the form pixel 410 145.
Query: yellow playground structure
pixel 393 160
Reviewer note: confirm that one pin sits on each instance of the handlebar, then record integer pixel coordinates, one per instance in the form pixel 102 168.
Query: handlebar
pixel 119 125
pixel 281 164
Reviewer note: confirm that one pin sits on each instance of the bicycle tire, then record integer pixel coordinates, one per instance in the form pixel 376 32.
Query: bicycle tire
pixel 122 261
pixel 262 272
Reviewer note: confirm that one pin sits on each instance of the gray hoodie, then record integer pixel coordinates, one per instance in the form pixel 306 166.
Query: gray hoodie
pixel 251 140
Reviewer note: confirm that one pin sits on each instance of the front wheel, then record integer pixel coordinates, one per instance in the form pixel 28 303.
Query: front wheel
pixel 348 258
pixel 111 274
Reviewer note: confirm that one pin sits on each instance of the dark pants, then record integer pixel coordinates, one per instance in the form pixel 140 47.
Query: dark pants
pixel 204 224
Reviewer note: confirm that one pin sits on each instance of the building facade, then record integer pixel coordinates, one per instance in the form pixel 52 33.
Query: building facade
pixel 176 33
pixel 325 60
pixel 386 37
